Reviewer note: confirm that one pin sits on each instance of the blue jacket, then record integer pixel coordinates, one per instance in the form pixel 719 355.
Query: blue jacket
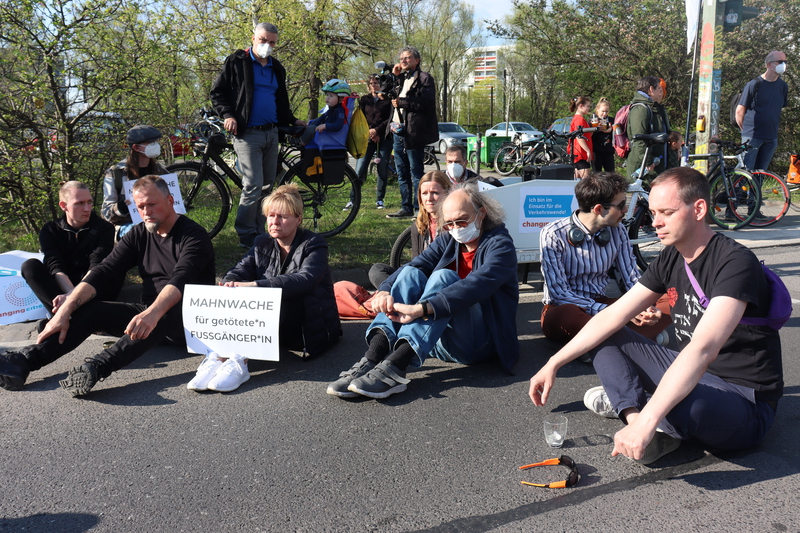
pixel 492 284
pixel 307 277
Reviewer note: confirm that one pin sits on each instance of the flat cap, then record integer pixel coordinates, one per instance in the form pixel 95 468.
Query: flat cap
pixel 141 134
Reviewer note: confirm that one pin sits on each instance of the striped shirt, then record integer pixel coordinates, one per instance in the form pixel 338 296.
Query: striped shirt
pixel 579 274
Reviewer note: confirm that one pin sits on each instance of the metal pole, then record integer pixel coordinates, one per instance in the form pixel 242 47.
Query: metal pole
pixel 491 105
pixel 445 73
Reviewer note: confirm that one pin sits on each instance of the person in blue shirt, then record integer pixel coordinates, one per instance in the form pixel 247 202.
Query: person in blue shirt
pixel 333 120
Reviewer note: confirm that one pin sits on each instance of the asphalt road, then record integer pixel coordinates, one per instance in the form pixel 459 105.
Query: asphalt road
pixel 141 453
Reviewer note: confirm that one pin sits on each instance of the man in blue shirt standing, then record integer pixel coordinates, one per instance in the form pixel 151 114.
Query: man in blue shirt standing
pixel 759 111
pixel 250 94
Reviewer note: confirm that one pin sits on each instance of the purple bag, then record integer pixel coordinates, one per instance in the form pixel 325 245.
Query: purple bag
pixel 780 306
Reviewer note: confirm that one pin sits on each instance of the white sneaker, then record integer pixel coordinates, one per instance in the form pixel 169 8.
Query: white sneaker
pixel 205 372
pixel 379 204
pixel 230 375
pixel 596 400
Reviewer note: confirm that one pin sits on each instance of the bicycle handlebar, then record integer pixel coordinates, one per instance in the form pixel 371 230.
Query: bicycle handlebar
pixel 573 134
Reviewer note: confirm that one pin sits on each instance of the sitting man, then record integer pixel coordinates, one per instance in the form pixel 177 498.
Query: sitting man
pixel 455 158
pixel 577 253
pixel 456 301
pixel 170 251
pixel 722 388
pixel 72 246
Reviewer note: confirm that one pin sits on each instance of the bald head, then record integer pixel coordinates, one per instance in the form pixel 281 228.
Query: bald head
pixel 774 56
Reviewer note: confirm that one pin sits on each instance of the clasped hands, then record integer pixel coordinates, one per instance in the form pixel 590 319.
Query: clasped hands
pixel 382 302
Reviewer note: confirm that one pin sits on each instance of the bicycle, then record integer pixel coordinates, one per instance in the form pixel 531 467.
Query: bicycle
pixel 207 196
pixel 775 194
pixel 510 158
pixel 391 170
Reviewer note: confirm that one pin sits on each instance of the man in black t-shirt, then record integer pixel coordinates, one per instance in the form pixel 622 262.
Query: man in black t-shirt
pixel 169 250
pixel 723 386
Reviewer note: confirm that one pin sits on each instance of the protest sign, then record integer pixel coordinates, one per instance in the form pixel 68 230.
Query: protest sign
pixel 227 320
pixel 174 189
pixel 17 301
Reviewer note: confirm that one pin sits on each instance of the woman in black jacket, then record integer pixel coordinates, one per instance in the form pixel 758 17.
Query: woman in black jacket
pixel 295 260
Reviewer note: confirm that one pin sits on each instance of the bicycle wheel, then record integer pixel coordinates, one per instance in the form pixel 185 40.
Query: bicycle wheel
pixel 735 210
pixel 774 198
pixel 205 195
pixel 545 156
pixel 401 249
pixel 506 160
pixel 325 208
pixel 645 242
pixel 430 159
pixel 473 162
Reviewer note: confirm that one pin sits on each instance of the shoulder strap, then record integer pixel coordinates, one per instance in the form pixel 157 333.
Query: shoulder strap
pixel 696 286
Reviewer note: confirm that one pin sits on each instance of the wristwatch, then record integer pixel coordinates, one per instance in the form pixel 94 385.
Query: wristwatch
pixel 425 316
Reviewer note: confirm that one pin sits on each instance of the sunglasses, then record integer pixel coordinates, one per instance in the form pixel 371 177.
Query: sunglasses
pixel 447 226
pixel 620 206
pixel 571 480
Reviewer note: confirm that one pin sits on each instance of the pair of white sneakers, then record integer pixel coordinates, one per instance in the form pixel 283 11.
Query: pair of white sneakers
pixel 218 374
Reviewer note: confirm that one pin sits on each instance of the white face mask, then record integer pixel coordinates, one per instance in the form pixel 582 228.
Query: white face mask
pixel 263 50
pixel 780 68
pixel 152 150
pixel 466 234
pixel 455 170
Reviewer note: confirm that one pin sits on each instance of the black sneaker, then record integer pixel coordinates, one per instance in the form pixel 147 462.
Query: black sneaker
pixel 400 214
pixel 14 370
pixel 339 387
pixel 81 379
pixel 380 382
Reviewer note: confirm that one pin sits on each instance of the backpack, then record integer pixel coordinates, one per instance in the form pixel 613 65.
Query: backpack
pixel 735 102
pixel 622 145
pixel 353 301
pixel 793 176
pixel 358 136
pixel 780 305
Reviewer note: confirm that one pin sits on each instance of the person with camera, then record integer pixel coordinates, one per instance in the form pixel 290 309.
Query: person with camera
pixel 377 111
pixel 413 124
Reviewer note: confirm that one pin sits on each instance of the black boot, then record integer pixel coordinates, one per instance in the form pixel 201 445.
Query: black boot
pixel 14 370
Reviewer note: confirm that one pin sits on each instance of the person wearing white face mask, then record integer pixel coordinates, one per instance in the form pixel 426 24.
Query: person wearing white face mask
pixel 456 301
pixel 141 161
pixel 455 158
pixel 250 95
pixel 759 111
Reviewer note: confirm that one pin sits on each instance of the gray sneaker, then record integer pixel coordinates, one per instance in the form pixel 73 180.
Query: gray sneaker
pixel 81 379
pixel 596 400
pixel 661 445
pixel 339 387
pixel 380 382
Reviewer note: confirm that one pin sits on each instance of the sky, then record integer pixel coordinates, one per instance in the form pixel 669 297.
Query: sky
pixel 491 10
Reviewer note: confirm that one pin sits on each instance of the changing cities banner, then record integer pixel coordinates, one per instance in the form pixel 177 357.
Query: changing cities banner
pixel 226 320
pixel 17 301
pixel 540 205
pixel 174 189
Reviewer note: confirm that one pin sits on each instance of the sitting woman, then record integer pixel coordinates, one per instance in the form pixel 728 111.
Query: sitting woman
pixel 295 260
pixel 432 188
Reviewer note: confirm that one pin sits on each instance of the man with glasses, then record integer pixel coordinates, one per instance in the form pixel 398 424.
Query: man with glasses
pixel 759 111
pixel 414 125
pixel 577 254
pixel 456 301
pixel 376 111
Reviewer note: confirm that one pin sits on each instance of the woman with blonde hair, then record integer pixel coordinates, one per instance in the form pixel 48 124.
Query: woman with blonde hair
pixel 601 139
pixel 295 260
pixel 432 188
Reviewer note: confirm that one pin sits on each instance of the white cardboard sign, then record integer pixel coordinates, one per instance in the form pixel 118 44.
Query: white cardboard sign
pixel 540 205
pixel 174 189
pixel 17 301
pixel 226 320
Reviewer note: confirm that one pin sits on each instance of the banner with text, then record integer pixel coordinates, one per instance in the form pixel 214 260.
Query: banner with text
pixel 174 189
pixel 17 301
pixel 242 320
pixel 540 205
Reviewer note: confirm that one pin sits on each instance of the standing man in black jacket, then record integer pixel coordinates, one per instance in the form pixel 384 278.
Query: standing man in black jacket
pixel 377 112
pixel 250 94
pixel 414 125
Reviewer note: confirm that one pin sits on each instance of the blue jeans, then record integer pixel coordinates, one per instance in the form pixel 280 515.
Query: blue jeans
pixel 410 167
pixel 258 160
pixel 384 149
pixel 459 338
pixel 760 154
pixel 717 413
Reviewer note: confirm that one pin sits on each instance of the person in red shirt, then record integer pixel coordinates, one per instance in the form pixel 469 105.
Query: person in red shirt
pixel 581 148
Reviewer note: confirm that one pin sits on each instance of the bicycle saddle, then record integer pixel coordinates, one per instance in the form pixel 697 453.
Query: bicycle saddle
pixel 652 138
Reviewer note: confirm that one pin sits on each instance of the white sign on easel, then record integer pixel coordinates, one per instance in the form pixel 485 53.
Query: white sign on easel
pixel 226 320
pixel 17 301
pixel 540 205
pixel 174 189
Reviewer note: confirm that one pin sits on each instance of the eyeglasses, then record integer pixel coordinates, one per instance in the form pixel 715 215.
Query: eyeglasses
pixel 406 58
pixel 620 206
pixel 447 226
pixel 571 480
pixel 779 62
